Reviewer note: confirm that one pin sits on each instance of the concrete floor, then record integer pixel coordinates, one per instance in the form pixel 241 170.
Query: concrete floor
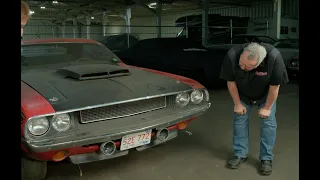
pixel 203 154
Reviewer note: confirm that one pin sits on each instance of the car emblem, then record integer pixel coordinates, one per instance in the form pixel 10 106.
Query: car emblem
pixel 54 99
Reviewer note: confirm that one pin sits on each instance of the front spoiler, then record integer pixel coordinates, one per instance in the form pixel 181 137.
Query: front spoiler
pixel 162 122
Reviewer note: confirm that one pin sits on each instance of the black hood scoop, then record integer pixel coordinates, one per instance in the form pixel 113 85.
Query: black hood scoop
pixel 92 71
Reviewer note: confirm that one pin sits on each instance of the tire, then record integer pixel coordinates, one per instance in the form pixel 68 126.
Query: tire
pixel 33 169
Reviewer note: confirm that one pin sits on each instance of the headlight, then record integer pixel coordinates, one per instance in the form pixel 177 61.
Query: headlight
pixel 196 96
pixel 295 63
pixel 207 95
pixel 182 99
pixel 61 122
pixel 38 126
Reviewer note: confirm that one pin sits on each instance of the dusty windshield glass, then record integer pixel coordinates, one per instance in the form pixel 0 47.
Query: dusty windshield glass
pixel 290 44
pixel 266 39
pixel 60 53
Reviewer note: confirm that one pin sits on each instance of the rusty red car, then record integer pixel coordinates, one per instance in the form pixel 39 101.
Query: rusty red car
pixel 80 102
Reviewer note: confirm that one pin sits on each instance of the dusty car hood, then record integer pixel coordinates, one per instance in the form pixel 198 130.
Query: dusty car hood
pixel 66 93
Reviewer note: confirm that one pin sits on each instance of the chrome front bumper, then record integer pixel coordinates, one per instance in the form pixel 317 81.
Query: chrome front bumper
pixel 83 139
pixel 98 156
pixel 293 68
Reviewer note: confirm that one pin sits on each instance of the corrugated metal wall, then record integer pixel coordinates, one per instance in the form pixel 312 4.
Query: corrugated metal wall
pixel 290 8
pixel 260 10
pixel 36 29
pixel 257 12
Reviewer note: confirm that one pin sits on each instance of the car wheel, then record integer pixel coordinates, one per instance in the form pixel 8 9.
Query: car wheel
pixel 33 169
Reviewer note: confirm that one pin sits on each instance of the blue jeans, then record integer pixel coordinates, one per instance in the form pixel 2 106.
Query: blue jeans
pixel 268 128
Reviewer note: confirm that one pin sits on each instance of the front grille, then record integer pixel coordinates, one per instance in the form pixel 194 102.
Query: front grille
pixel 122 110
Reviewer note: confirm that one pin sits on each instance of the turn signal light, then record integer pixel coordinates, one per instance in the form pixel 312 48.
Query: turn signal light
pixel 183 125
pixel 59 156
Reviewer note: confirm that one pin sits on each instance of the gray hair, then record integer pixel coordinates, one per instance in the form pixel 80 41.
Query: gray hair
pixel 256 50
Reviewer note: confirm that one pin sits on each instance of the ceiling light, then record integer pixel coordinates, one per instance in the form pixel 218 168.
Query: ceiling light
pixel 54 2
pixel 152 5
pixel 42 7
pixel 92 17
pixel 31 12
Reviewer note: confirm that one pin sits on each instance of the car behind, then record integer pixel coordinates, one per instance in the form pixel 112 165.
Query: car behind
pixel 293 68
pixel 180 56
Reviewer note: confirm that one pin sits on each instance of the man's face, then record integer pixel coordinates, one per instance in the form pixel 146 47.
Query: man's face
pixel 247 64
pixel 23 23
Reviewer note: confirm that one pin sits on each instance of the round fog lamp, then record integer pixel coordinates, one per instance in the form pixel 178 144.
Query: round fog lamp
pixel 108 148
pixel 61 122
pixel 196 96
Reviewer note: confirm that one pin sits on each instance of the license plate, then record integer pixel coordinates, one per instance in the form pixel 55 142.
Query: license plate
pixel 135 140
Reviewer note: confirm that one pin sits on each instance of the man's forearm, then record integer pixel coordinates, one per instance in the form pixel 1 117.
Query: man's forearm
pixel 233 90
pixel 272 96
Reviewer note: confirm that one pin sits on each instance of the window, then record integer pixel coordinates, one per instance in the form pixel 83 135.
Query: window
pixel 247 39
pixel 284 30
pixel 57 53
pixel 266 39
pixel 182 33
pixel 239 40
pixel 288 44
pixel 51 50
pixel 223 38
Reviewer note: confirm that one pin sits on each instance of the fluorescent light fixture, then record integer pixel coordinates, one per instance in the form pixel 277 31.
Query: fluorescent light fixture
pixel 92 17
pixel 42 7
pixel 54 2
pixel 31 12
pixel 152 5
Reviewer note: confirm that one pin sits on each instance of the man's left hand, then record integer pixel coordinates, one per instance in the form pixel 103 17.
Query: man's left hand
pixel 264 113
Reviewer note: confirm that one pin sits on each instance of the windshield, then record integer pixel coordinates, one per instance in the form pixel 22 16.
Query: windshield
pixel 266 39
pixel 290 44
pixel 57 53
pixel 247 39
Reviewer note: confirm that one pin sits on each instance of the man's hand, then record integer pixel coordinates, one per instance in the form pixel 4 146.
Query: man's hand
pixel 264 112
pixel 240 109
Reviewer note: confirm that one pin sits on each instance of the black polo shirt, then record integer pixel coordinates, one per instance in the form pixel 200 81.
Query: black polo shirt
pixel 254 85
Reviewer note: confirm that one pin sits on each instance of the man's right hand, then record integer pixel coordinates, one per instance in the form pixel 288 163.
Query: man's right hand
pixel 240 109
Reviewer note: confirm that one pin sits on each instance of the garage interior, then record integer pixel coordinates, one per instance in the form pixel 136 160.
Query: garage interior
pixel 202 150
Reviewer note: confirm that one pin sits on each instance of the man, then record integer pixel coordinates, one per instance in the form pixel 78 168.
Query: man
pixel 25 14
pixel 254 73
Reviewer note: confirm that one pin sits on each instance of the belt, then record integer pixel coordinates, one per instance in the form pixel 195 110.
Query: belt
pixel 253 102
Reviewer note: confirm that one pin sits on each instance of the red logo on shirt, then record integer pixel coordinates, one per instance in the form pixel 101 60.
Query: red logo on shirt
pixel 261 73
